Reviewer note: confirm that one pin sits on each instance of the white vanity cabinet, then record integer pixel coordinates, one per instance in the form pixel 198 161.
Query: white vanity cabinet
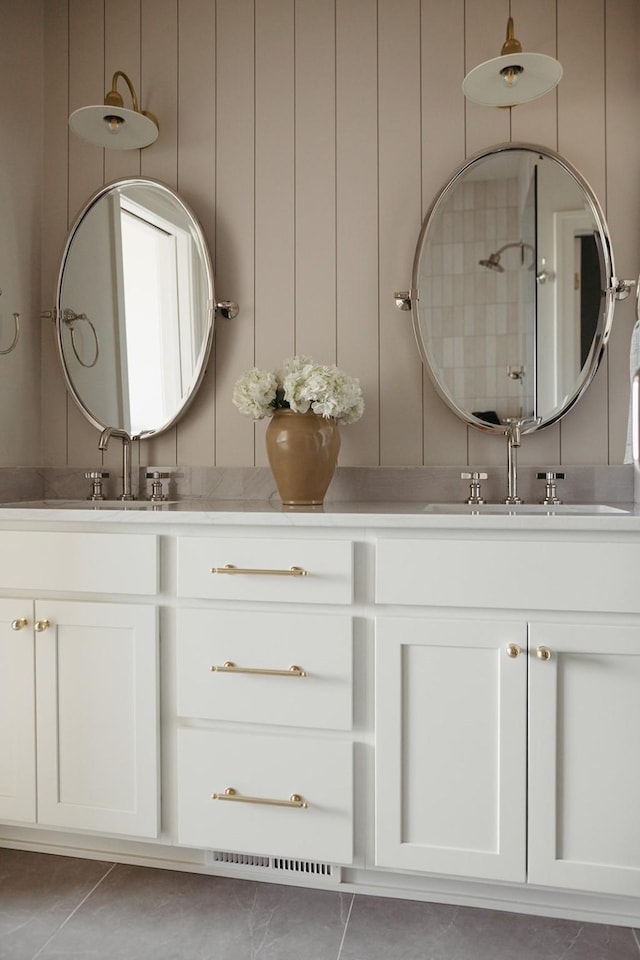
pixel 17 713
pixel 451 738
pixel 264 697
pixel 507 729
pixel 584 756
pixel 439 707
pixel 79 685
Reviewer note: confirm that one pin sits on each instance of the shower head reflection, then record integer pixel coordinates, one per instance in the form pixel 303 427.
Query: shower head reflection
pixel 493 260
pixel 493 263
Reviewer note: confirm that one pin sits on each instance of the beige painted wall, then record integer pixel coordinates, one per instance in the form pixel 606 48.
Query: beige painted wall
pixel 310 136
pixel 21 105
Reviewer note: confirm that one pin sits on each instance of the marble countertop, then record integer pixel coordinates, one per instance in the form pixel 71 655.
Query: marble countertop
pixel 375 514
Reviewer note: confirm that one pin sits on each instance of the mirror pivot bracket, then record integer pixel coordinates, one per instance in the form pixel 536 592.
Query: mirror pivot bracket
pixel 229 309
pixel 405 299
pixel 621 288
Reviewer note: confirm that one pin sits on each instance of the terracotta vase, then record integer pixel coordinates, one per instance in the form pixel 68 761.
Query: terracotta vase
pixel 302 449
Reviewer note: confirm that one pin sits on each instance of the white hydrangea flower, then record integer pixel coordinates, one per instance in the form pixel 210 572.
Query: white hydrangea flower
pixel 255 392
pixel 294 365
pixel 301 385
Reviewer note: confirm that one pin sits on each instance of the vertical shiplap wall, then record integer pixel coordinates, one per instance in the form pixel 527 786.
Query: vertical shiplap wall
pixel 309 136
pixel 20 202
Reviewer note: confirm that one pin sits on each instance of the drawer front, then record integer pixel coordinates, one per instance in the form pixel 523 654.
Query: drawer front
pixel 551 574
pixel 85 562
pixel 316 695
pixel 266 768
pixel 265 567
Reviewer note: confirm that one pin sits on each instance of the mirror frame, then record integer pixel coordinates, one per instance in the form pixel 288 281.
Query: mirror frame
pixel 605 316
pixel 210 296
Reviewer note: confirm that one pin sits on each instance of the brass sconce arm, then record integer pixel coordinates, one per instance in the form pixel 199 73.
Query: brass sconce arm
pixel 114 99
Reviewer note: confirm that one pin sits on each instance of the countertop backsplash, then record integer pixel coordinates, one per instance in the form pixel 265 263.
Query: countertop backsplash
pixel 582 484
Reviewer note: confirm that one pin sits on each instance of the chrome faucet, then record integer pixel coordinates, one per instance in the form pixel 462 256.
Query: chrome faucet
pixel 513 433
pixel 103 443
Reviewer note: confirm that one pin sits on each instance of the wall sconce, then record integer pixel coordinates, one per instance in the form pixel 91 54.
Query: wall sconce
pixel 111 125
pixel 512 78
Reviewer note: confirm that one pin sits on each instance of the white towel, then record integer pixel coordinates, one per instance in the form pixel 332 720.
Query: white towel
pixel 634 365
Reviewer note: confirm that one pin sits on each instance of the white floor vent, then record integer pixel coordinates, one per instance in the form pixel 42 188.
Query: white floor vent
pixel 304 866
pixel 252 861
pixel 240 859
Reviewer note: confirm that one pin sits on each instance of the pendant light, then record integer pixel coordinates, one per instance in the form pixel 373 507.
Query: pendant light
pixel 512 78
pixel 113 126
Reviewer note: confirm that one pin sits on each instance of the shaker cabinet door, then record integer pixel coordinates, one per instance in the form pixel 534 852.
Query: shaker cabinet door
pixel 451 746
pixel 584 773
pixel 97 716
pixel 17 712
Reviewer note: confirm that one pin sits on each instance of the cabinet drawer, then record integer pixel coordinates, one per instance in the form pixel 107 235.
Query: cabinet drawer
pixel 266 768
pixel 264 567
pixel 321 646
pixel 550 574
pixel 86 562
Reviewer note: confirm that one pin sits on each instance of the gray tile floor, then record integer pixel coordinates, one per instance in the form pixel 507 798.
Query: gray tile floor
pixel 64 908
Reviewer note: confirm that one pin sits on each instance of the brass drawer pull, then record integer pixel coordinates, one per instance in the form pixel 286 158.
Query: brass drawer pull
pixel 232 569
pixel 230 667
pixel 295 800
pixel 513 650
pixel 543 653
pixel 41 625
pixel 19 624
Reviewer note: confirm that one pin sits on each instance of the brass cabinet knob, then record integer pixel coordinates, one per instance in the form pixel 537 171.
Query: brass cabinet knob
pixel 513 650
pixel 41 625
pixel 543 653
pixel 19 624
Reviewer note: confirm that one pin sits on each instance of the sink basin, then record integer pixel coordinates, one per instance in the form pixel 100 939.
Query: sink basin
pixel 87 504
pixel 526 509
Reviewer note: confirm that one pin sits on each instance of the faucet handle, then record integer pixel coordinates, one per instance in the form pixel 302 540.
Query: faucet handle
pixel 550 493
pixel 475 493
pixel 96 476
pixel 157 491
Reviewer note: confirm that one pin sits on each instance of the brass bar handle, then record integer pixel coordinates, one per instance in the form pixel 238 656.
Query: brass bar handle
pixel 295 800
pixel 41 625
pixel 19 624
pixel 230 667
pixel 543 653
pixel 513 650
pixel 230 568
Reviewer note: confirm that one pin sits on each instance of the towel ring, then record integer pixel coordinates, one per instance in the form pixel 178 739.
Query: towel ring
pixel 69 317
pixel 16 334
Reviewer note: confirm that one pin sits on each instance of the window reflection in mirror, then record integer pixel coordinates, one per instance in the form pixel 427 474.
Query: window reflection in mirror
pixel 137 275
pixel 510 277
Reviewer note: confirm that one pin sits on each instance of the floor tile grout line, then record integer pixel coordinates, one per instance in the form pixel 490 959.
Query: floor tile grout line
pixel 344 932
pixel 74 911
pixel 635 937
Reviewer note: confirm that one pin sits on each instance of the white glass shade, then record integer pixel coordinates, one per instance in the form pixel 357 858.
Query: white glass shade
pixel 134 129
pixel 486 85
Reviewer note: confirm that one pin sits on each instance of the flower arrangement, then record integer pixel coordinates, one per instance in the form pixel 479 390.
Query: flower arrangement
pixel 301 385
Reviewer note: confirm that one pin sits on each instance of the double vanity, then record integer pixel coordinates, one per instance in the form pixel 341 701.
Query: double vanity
pixel 428 701
pixel 433 701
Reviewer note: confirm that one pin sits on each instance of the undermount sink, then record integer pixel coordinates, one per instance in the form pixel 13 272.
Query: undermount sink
pixel 88 504
pixel 506 509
